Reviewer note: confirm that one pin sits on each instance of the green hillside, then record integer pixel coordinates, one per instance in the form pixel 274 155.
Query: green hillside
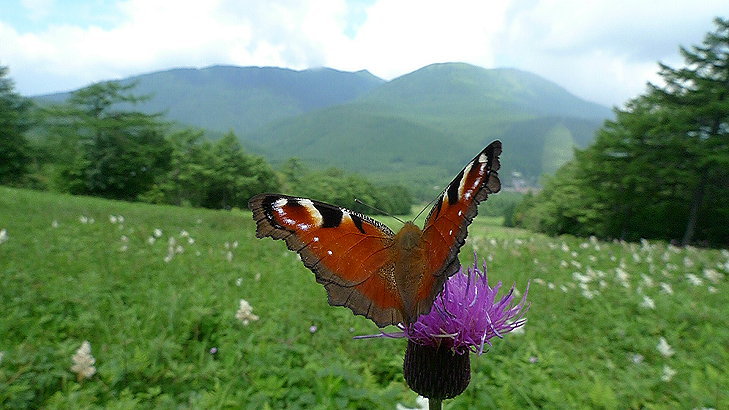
pixel 242 99
pixel 418 129
pixel 155 291
pixel 441 115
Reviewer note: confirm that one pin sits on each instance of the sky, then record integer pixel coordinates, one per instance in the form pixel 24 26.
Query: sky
pixel 601 50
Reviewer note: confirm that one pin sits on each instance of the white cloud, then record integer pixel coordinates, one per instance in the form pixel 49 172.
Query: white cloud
pixel 604 50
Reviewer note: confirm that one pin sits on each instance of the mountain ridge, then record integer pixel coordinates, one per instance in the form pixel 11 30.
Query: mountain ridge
pixel 417 129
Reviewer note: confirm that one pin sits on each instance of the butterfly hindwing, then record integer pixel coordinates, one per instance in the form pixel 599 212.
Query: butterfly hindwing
pixel 447 223
pixel 349 253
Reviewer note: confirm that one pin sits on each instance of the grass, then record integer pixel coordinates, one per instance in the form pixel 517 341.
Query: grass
pixel 152 317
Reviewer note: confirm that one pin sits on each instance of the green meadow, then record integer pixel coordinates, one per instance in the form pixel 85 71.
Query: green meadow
pixel 155 291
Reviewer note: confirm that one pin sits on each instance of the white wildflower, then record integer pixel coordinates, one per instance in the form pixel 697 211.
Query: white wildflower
pixel 584 245
pixel 83 362
pixel 563 264
pixel 664 348
pixel 647 280
pixel 694 280
pixel 83 219
pixel 668 373
pixel 229 256
pixel 245 313
pixel 120 219
pixel 54 224
pixel 592 258
pixel 157 232
pixel 687 262
pixel 666 288
pixel 190 241
pixel 712 289
pixel 712 275
pixel 112 219
pixel 1 356
pixel 3 235
pixel 421 403
pixel 648 303
pixel 238 281
pixel 151 240
pixel 565 248
pixel 580 277
pixel 235 244
pixel 636 258
pixel 124 238
pixel 257 277
pixel 576 264
pixel 573 254
pixel 623 277
pixel 184 234
pixel 636 358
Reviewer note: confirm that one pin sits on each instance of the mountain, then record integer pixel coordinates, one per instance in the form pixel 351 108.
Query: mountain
pixel 418 129
pixel 423 127
pixel 242 99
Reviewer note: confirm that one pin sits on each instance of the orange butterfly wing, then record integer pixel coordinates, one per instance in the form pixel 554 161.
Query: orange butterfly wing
pixel 446 227
pixel 349 253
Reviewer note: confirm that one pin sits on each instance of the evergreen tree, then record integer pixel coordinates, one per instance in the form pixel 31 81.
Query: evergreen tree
pixel 660 169
pixel 14 122
pixel 235 176
pixel 697 98
pixel 104 150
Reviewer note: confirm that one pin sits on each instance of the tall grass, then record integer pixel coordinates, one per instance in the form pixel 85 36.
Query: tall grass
pixel 156 293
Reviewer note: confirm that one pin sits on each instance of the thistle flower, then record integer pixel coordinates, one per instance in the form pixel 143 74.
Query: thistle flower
pixel 83 362
pixel 464 318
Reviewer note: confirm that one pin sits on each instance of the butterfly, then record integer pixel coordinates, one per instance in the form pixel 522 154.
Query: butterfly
pixel 387 277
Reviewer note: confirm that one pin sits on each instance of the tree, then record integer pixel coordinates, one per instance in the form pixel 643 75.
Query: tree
pixel 235 176
pixel 104 150
pixel 660 169
pixel 14 122
pixel 697 96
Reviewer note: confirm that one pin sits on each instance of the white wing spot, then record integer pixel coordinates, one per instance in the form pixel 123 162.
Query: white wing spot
pixel 329 252
pixel 280 203
pixel 313 212
pixel 450 232
pixel 483 158
pixel 460 213
pixel 462 185
pixel 316 239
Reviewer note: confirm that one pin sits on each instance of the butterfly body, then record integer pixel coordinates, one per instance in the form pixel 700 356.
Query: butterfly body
pixel 388 277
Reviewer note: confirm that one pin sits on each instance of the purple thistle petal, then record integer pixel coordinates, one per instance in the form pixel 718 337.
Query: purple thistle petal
pixel 466 315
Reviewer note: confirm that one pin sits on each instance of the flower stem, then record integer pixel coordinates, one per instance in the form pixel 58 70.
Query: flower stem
pixel 435 404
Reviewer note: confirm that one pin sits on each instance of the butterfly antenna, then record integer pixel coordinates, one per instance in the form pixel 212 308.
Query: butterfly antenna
pixel 378 210
pixel 428 205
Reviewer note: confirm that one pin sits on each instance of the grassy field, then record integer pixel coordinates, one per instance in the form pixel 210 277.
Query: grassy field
pixel 155 293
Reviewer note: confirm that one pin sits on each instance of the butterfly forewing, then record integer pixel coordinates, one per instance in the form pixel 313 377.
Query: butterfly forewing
pixel 447 224
pixel 349 252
